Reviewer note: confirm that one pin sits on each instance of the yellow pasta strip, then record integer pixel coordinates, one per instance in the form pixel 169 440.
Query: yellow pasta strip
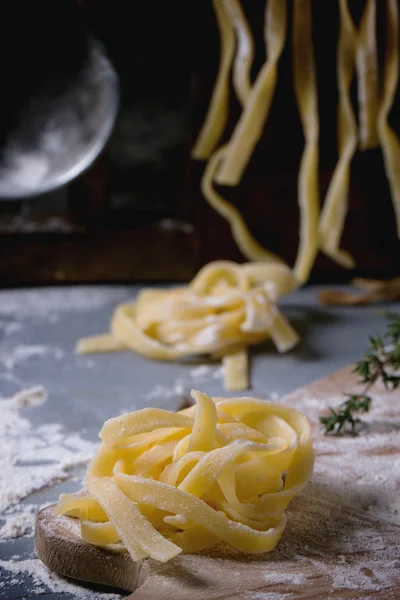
pixel 217 114
pixel 99 534
pixel 250 248
pixel 181 466
pixel 195 540
pixel 99 343
pixel 141 421
pixel 210 275
pixel 277 278
pixel 305 83
pixel 142 440
pixel 244 52
pixel 208 469
pixel 387 137
pixel 237 535
pixel 255 113
pixel 367 70
pixel 137 534
pixel 203 434
pixel 335 207
pixel 242 511
pixel 153 458
pixel 234 430
pixel 236 370
pixel 73 505
pixel 124 328
pixel 283 334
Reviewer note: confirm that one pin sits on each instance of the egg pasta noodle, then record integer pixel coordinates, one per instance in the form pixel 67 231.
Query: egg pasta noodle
pixel 336 202
pixel 217 114
pixel 357 55
pixel 305 81
pixel 245 50
pixel 226 308
pixel 223 470
pixel 387 137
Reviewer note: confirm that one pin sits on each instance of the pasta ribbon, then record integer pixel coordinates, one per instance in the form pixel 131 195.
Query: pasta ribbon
pixel 336 202
pixel 249 129
pixel 249 246
pixel 230 487
pixel 226 308
pixel 388 138
pixel 217 114
pixel 244 52
pixel 305 81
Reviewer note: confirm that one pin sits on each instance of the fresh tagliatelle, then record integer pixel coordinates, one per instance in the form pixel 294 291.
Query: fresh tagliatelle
pixel 226 308
pixel 357 55
pixel 223 470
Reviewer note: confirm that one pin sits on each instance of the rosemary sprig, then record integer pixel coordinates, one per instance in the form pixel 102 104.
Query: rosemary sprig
pixel 380 363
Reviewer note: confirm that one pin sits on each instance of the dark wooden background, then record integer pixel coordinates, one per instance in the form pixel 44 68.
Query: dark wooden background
pixel 138 214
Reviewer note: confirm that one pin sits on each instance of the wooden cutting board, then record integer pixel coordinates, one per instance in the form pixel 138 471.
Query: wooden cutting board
pixel 342 538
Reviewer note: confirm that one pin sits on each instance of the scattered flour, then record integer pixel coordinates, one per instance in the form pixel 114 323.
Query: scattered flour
pixel 363 471
pixel 12 357
pixel 34 396
pixel 163 391
pixel 355 479
pixel 44 580
pixel 276 577
pixel 179 387
pixel 19 521
pixel 32 458
pixel 11 327
pixel 201 371
pixel 266 596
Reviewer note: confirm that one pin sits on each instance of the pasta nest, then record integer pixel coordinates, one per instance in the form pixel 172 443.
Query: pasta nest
pixel 223 310
pixel 223 470
pixel 226 305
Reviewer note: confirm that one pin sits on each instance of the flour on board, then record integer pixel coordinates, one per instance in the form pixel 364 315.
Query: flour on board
pixel 44 580
pixel 363 471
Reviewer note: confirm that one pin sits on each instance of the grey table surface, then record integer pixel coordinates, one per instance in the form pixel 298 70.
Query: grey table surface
pixel 85 391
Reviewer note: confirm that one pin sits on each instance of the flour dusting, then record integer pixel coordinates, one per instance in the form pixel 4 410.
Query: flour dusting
pixel 44 580
pixel 19 521
pixel 182 387
pixel 12 357
pixel 32 458
pixel 362 471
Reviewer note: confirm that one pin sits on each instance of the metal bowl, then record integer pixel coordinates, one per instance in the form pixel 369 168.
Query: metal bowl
pixel 62 131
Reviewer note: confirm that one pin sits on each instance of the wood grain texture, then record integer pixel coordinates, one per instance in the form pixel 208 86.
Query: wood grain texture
pixel 333 546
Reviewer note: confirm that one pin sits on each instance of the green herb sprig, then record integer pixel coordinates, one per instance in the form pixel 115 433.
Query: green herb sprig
pixel 380 363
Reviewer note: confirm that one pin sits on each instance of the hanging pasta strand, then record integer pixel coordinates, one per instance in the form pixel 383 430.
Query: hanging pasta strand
pixel 305 83
pixel 217 115
pixel 249 129
pixel 248 245
pixel 387 137
pixel 244 51
pixel 335 208
pixel 367 72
